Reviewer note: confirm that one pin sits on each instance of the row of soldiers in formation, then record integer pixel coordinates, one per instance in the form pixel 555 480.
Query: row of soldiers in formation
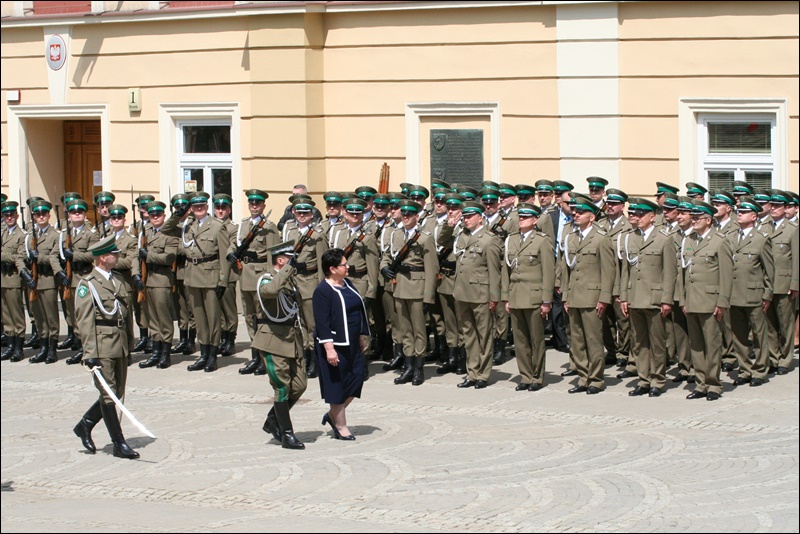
pixel 711 286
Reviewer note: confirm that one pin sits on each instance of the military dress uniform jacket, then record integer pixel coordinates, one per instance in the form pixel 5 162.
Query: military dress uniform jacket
pixel 786 255
pixel 278 333
pixel 309 261
pixel 616 233
pixel 103 317
pixel 82 260
pixel 708 273
pixel 753 269
pixel 11 244
pixel 205 246
pixel 232 229
pixel 545 223
pixel 445 236
pixel 255 260
pixel 161 252
pixel 588 269
pixel 418 273
pixel 384 241
pixel 528 276
pixel 48 263
pixel 650 270
pixel 478 275
pixel 731 227
pixel 128 262
pixel 363 262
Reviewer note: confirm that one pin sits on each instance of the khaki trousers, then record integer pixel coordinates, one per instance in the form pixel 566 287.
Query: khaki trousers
pixel 745 321
pixel 411 325
pixel 529 345
pixel 45 310
pixel 207 313
pixel 477 331
pixel 649 344
pixel 115 373
pixel 13 310
pixel 159 311
pixel 287 376
pixel 705 343
pixel 586 341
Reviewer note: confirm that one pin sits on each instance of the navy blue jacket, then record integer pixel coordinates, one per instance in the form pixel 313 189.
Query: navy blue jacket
pixel 330 314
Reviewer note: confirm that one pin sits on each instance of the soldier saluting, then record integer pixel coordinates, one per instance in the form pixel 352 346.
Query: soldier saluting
pixel 105 324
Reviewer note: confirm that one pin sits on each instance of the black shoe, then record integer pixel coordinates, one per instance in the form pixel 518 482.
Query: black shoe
pixel 67 343
pixel 564 349
pixel 480 384
pixel 326 420
pixel 626 374
pixel 419 372
pixel 201 362
pixel 230 344
pixel 191 346
pixel 52 354
pixel 84 427
pixel 577 389
pixel 727 367
pixel 75 358
pixel 461 366
pixel 143 338
pixel 570 372
pixel 184 340
pixel 149 347
pixel 593 390
pixel 17 355
pixel 261 369
pixel 121 448
pixel 499 352
pixel 408 371
pixel 654 392
pixel 467 383
pixel 211 364
pixel 622 362
pixel 755 382
pixel 711 396
pixel 535 387
pixel 12 346
pixel 223 341
pixel 154 358
pixel 165 362
pixel 522 387
pixel 638 391
pixel 695 395
pixel 34 341
pixel 290 441
pixel 271 425
pixel 691 379
pixel 311 363
pixel 397 361
pixel 42 356
pixel 742 381
pixel 451 364
pixel 250 366
pixel 680 378
pixel 783 370
pixel 611 358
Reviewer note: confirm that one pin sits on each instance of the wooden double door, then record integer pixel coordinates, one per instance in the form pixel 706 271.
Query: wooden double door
pixel 82 160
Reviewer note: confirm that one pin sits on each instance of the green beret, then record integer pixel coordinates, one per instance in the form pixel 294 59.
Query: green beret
pixel 66 197
pixel 742 188
pixel 560 186
pixel 143 200
pixel 693 188
pixel 9 206
pixel 526 209
pixel 333 197
pixel 107 245
pixel 156 206
pixel 470 206
pixel 282 249
pixel 78 203
pixel 488 184
pixel 508 190
pixel 703 208
pixel 381 199
pixel 748 204
pixel 597 181
pixel 723 196
pixel 366 191
pixel 526 190
pixel 103 197
pixel 223 199
pixel 453 199
pixel 41 205
pixel 256 194
pixel 544 186
pixel 409 206
pixel 616 195
pixel 117 209
pixel 665 188
pixel 355 205
pixel 671 200
pixel 418 190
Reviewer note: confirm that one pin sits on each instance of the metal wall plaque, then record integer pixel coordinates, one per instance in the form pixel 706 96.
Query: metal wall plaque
pixel 457 156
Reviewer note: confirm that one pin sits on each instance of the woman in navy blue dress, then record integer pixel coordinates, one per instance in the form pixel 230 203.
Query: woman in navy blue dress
pixel 341 321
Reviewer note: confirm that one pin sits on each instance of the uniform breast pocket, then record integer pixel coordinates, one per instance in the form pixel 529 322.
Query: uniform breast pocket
pixel 207 244
pixel 530 259
pixel 589 255
pixel 476 251
pixel 651 257
pixel 755 290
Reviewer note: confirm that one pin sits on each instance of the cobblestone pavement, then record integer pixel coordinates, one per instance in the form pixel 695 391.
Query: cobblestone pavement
pixel 429 458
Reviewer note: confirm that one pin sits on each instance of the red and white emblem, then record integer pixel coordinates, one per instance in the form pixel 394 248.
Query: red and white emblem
pixel 56 52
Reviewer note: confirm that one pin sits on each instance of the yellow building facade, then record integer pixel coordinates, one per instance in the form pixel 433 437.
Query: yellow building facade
pixel 146 96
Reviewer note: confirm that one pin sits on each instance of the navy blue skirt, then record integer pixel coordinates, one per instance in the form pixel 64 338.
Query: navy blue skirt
pixel 337 384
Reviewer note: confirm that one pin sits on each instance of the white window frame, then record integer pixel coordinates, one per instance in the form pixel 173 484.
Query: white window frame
pixel 694 160
pixel 171 119
pixel 740 163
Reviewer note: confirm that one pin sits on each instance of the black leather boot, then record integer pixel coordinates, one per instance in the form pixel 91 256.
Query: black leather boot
pixel 201 362
pixel 250 366
pixel 143 339
pixel 52 353
pixel 451 364
pixel 183 341
pixel 419 372
pixel 67 343
pixel 261 368
pixel 499 351
pixel 12 345
pixel 84 427
pixel 191 346
pixel 211 364
pixel 461 369
pixel 311 363
pixel 121 447
pixel 76 358
pixel 223 339
pixel 165 359
pixel 149 347
pixel 288 439
pixel 387 347
pixel 33 342
pixel 397 362
pixel 17 356
pixel 271 425
pixel 230 344
pixel 154 357
pixel 42 356
pixel 408 370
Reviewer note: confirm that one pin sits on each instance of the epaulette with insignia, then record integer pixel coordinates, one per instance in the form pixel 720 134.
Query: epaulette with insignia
pixel 765 234
pixel 425 232
pixel 601 231
pixel 513 233
pixel 665 232
pixel 542 234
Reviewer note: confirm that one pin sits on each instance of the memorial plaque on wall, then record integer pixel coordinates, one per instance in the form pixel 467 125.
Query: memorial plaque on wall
pixel 457 156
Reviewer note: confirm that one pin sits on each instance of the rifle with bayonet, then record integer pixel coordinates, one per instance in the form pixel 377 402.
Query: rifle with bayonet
pixel 350 248
pixel 401 255
pixel 67 294
pixel 142 263
pixel 34 259
pixel 235 257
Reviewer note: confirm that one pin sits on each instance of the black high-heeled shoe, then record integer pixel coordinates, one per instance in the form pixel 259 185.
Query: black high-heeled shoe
pixel 326 420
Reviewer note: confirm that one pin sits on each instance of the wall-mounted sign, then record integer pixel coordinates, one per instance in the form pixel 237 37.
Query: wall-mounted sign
pixel 97 178
pixel 56 52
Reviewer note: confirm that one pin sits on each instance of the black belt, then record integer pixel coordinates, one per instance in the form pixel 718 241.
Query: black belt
pixel 81 266
pixel 252 257
pixel 302 269
pixel 9 268
pixel 444 264
pixel 257 322
pixel 196 261
pixel 409 269
pixel 351 271
pixel 180 261
pixel 119 323
pixel 447 272
pixel 44 269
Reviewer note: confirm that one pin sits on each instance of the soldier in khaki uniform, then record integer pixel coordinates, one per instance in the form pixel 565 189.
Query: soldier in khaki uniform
pixel 545 192
pixel 279 341
pixel 103 318
pixel 333 206
pixel 456 355
pixel 696 191
pixel 230 315
pixel 784 236
pixel 670 212
pixel 83 236
pixel 312 245
pixel 141 226
pixel 102 201
pixel 205 243
pixel 661 190
pixel 683 353
pixel 187 327
pixel 380 315
pixel 725 225
pixel 255 262
pixel 158 251
pixel 432 224
pixel 45 255
pixel 751 293
pixel 616 326
pixel 476 291
pixel 128 260
pixel 528 279
pixel 707 263
pixel 394 224
pixel 498 225
pixel 414 279
pixel 647 292
pixel 363 258
pixel 12 236
pixel 67 306
pixel 587 282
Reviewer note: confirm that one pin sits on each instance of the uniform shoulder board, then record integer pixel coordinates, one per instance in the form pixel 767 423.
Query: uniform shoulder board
pixel 426 232
pixel 601 231
pixel 512 233
pixel 665 231
pixel 245 219
pixel 542 234
pixel 93 230
pixel 765 234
